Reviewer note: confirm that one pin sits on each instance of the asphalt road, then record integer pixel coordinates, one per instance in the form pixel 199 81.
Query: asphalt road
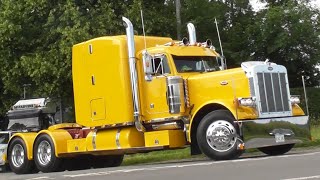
pixel 296 165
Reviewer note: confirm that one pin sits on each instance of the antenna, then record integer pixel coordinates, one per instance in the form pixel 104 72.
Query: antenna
pixel 222 60
pixel 144 34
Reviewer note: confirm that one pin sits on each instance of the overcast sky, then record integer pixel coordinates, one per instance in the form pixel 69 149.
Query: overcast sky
pixel 257 6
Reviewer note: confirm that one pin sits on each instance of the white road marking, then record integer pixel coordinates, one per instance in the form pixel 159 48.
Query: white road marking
pixel 42 177
pixel 195 164
pixel 303 178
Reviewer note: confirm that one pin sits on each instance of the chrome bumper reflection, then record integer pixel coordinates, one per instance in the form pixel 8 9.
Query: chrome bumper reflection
pixel 263 132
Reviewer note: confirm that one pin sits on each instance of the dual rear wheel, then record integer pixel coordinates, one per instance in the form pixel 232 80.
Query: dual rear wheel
pixel 18 159
pixel 46 160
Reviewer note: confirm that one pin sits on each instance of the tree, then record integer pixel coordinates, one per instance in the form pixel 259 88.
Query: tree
pixel 36 41
pixel 234 18
pixel 289 35
pixel 37 37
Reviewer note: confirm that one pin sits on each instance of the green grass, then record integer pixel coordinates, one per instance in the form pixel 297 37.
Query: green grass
pixel 315 132
pixel 157 156
pixel 167 155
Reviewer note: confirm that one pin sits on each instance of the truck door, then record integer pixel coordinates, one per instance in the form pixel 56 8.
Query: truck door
pixel 154 87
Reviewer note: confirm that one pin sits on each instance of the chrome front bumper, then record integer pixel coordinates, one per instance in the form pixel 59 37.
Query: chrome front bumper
pixel 263 132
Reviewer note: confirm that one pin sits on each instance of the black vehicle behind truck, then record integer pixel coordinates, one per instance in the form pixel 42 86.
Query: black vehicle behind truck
pixel 29 115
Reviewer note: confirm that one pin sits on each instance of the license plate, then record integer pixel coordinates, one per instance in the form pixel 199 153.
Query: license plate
pixel 279 138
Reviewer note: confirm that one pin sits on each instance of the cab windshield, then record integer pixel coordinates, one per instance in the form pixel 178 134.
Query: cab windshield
pixel 195 63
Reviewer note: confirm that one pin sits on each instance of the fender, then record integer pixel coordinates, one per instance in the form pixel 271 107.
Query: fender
pixel 60 138
pixel 223 104
pixel 28 139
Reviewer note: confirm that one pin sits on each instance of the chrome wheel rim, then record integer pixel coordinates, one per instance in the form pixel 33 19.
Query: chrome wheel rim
pixel 44 153
pixel 221 135
pixel 17 156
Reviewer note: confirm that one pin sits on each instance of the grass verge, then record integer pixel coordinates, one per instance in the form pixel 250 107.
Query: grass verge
pixel 157 156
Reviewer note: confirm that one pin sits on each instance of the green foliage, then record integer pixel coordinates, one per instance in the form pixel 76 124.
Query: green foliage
pixel 288 34
pixel 36 36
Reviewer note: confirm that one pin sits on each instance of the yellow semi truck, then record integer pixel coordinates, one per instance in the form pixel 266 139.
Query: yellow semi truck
pixel 139 94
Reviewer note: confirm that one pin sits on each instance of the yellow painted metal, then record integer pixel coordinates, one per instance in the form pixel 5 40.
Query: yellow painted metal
pixel 247 112
pixel 101 78
pixel 153 93
pixel 77 145
pixel 130 138
pixel 190 51
pixel 221 87
pixel 60 138
pixel 154 103
pixel 297 111
pixel 112 139
pixel 153 99
pixel 28 139
pixel 170 138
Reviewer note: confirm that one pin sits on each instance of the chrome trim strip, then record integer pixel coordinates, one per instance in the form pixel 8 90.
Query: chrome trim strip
pixel 186 119
pixel 166 126
pixel 273 93
pixel 118 138
pixel 265 91
pixel 281 91
pixel 261 132
pixel 94 136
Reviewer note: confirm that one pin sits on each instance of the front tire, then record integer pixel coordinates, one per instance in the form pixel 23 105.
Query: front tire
pixel 44 154
pixel 17 157
pixel 217 136
pixel 276 150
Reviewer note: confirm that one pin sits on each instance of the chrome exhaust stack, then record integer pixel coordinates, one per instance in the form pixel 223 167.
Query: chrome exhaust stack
pixel 192 34
pixel 133 74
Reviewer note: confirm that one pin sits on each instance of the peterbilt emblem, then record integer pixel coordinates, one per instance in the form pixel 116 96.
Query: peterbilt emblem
pixel 270 68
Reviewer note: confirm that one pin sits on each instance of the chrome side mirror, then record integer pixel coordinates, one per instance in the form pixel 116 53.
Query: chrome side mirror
pixel 147 63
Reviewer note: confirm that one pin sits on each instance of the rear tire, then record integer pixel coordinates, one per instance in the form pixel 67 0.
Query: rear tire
pixel 276 150
pixel 44 155
pixel 17 158
pixel 217 136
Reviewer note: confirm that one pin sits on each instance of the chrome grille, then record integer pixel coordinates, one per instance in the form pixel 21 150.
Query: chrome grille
pixel 273 92
pixel 251 84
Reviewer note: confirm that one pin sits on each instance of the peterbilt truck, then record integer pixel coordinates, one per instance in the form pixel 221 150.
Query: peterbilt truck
pixel 139 94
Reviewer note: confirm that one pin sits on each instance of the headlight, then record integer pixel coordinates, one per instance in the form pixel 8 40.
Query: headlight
pixel 247 102
pixel 294 99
